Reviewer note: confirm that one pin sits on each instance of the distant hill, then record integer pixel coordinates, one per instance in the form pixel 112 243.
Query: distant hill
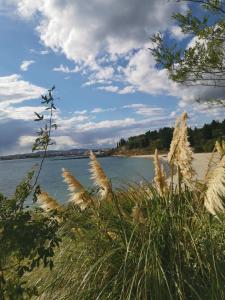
pixel 81 153
pixel 201 139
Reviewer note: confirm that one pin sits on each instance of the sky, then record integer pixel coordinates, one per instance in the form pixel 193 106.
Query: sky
pixel 96 54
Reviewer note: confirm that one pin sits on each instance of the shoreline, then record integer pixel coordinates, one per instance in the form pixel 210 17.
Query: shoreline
pixel 200 162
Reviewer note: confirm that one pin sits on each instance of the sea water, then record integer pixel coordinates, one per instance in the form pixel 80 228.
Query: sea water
pixel 121 171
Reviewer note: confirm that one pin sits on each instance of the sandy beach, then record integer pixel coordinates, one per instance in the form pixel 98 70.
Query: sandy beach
pixel 200 162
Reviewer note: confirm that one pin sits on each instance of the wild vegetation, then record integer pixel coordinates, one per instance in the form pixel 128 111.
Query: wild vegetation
pixel 201 139
pixel 27 236
pixel 202 63
pixel 159 240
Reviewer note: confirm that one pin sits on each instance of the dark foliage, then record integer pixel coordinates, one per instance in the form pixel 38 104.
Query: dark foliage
pixel 201 139
pixel 27 239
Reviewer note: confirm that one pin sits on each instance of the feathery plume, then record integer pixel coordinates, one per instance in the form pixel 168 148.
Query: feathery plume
pixel 78 194
pixel 99 177
pixel 211 165
pixel 215 193
pixel 145 188
pixel 214 159
pixel 160 178
pixel 112 235
pixel 137 215
pixel 174 142
pixel 185 154
pixel 220 148
pixel 223 146
pixel 48 203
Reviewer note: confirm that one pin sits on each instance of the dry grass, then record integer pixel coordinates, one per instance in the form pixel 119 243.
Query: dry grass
pixel 144 243
pixel 215 193
pixel 78 194
pixel 160 176
pixel 99 177
pixel 48 203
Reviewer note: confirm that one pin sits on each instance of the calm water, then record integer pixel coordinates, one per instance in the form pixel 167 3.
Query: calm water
pixel 119 169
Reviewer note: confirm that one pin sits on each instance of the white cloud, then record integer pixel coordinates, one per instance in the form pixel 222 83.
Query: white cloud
pixel 114 29
pixel 142 74
pixel 100 75
pixel 98 133
pixel 39 52
pixel 98 110
pixel 90 126
pixel 70 123
pixel 111 49
pixel 127 90
pixel 116 32
pixel 13 89
pixel 146 110
pixel 26 140
pixel 103 73
pixel 66 69
pixel 116 26
pixel 95 81
pixel 80 112
pixel 25 113
pixel 26 64
pixel 110 88
pixel 214 110
pixel 108 141
pixel 62 142
pixel 177 33
pixel 115 89
pixel 44 52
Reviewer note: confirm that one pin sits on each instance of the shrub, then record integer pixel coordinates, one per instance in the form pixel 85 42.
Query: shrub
pixel 27 239
pixel 171 250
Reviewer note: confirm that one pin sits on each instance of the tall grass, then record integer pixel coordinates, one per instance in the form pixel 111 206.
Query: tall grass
pixel 176 253
pixel 141 242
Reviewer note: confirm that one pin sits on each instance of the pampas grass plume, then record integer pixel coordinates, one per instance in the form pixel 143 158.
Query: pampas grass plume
pixel 185 154
pixel 137 215
pixel 220 148
pixel 160 178
pixel 48 203
pixel 78 193
pixel 215 193
pixel 99 177
pixel 223 146
pixel 174 143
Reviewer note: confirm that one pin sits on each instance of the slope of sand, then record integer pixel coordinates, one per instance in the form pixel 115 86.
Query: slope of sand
pixel 200 162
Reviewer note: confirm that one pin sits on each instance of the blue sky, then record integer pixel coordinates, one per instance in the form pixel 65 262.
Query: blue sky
pixel 96 53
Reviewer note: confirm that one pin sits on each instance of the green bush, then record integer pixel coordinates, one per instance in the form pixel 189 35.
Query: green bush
pixel 27 239
pixel 175 251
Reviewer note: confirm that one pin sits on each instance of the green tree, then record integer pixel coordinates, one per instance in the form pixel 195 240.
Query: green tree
pixel 207 131
pixel 27 239
pixel 165 135
pixel 27 235
pixel 203 63
pixel 223 127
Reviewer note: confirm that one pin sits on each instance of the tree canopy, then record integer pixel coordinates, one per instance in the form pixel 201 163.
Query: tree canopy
pixel 202 60
pixel 202 139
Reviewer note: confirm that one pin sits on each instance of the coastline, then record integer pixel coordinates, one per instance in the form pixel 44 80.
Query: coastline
pixel 200 162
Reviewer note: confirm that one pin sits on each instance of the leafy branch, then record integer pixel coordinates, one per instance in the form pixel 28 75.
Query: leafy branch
pixel 203 61
pixel 44 140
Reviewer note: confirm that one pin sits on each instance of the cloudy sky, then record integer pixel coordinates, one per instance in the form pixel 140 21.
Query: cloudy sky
pixel 96 53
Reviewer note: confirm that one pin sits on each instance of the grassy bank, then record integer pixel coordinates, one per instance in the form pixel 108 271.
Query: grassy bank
pixel 138 245
pixel 149 241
